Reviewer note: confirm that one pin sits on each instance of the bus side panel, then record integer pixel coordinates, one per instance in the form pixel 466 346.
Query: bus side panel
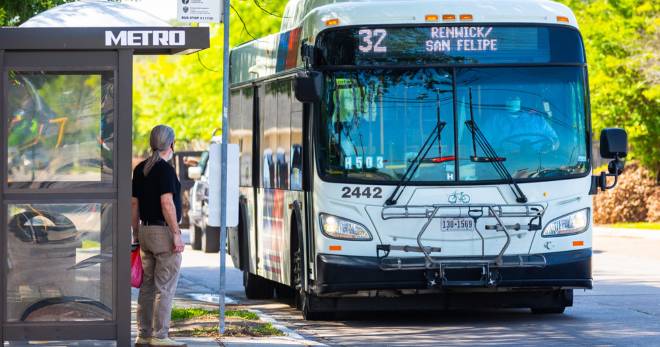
pixel 274 236
pixel 235 248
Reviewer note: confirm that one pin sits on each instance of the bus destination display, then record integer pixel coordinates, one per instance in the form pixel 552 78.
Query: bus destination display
pixel 449 44
pixel 441 39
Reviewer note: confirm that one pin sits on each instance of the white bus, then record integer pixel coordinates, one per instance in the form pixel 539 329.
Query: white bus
pixel 417 154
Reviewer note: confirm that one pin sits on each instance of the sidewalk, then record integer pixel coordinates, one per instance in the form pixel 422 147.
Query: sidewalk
pixel 626 232
pixel 224 341
pixel 198 287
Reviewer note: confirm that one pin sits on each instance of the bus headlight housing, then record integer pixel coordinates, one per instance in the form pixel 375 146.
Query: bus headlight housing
pixel 344 229
pixel 570 224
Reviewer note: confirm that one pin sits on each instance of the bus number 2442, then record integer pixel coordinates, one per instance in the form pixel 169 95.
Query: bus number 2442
pixel 367 192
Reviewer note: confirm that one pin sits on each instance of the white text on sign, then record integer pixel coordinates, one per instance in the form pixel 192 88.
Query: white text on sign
pixel 460 39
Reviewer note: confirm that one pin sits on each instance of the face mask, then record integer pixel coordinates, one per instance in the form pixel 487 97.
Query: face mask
pixel 169 157
pixel 513 105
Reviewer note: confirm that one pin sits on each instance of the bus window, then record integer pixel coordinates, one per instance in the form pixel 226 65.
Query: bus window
pixel 247 114
pixel 268 132
pixel 282 156
pixel 375 122
pixel 296 145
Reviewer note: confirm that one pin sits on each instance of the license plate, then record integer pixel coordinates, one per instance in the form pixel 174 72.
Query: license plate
pixel 456 224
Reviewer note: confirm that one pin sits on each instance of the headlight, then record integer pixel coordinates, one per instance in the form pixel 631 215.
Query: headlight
pixel 569 224
pixel 340 228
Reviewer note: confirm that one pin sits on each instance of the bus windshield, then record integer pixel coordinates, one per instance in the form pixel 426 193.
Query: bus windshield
pixel 374 122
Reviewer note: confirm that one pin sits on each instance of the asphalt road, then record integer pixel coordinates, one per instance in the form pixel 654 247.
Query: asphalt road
pixel 622 310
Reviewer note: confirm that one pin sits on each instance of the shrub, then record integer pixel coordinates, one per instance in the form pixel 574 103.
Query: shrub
pixel 653 206
pixel 636 198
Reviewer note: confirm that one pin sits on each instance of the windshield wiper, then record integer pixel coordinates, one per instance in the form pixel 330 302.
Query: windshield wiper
pixel 414 165
pixel 491 156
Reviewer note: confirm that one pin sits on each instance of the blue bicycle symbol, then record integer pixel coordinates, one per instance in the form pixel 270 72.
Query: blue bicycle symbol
pixel 459 197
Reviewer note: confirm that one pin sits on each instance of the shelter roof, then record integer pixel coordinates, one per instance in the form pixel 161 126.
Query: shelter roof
pixel 94 13
pixel 102 25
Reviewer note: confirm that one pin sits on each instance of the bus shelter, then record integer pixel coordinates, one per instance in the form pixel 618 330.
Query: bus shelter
pixel 66 110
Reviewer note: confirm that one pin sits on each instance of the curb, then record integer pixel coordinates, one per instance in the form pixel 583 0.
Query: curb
pixel 278 341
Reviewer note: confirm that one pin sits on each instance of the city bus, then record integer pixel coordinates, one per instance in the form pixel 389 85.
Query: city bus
pixel 417 155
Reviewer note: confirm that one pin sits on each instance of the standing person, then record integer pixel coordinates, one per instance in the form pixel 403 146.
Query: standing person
pixel 156 203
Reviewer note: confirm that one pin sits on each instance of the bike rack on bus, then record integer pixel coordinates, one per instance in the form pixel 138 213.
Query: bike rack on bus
pixel 437 266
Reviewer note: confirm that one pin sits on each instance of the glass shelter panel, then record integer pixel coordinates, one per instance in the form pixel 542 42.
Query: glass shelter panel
pixel 60 129
pixel 59 262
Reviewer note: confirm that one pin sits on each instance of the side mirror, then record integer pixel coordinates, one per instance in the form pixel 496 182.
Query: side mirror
pixel 308 86
pixel 613 143
pixel 194 172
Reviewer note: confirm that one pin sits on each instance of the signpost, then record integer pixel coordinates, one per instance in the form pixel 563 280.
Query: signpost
pixel 214 11
pixel 200 11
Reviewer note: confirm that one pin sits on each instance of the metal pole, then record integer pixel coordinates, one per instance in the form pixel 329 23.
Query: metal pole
pixel 223 163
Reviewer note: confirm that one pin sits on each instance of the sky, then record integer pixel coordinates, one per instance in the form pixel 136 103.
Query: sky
pixel 163 9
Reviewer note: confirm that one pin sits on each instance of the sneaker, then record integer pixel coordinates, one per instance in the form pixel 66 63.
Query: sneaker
pixel 142 341
pixel 166 342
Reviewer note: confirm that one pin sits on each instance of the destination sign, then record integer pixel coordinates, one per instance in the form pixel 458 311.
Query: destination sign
pixel 449 44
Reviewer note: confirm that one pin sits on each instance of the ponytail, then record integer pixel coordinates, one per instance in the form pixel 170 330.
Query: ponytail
pixel 153 159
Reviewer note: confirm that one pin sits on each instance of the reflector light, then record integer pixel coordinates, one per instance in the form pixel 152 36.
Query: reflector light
pixel 331 22
pixel 448 17
pixel 431 17
pixel 465 17
pixel 443 159
pixel 562 19
pixel 335 247
pixel 578 243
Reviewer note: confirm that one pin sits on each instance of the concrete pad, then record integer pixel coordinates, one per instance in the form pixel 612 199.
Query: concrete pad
pixel 199 341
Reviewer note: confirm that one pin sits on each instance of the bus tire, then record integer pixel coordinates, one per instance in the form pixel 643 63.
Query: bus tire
pixel 211 239
pixel 195 237
pixel 283 291
pixel 310 314
pixel 561 299
pixel 257 287
pixel 243 243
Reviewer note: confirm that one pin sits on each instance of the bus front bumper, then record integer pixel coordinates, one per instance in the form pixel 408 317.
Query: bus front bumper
pixel 342 273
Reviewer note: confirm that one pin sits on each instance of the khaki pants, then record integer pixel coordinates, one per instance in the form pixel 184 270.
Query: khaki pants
pixel 161 274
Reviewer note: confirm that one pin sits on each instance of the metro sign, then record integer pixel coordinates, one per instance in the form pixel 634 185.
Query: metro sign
pixel 130 38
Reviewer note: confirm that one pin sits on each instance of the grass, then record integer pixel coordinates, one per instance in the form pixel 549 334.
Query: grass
pixel 257 330
pixel 89 244
pixel 639 225
pixel 201 322
pixel 179 313
pixel 241 314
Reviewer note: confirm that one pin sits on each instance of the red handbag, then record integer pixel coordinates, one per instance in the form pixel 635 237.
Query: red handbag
pixel 136 268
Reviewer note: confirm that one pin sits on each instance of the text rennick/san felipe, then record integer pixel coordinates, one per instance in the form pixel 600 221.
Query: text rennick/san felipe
pixel 446 39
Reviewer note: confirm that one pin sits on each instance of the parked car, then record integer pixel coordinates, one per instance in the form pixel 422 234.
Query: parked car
pixel 202 236
pixel 183 161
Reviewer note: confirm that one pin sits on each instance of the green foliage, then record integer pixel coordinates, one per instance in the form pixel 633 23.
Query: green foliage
pixel 622 39
pixel 15 12
pixel 182 91
pixel 639 225
pixel 245 314
pixel 179 313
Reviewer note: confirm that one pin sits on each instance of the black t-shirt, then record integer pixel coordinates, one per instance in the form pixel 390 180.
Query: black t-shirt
pixel 161 180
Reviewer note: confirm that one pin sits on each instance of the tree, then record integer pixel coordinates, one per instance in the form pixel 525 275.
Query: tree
pixel 185 91
pixel 622 40
pixel 15 12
